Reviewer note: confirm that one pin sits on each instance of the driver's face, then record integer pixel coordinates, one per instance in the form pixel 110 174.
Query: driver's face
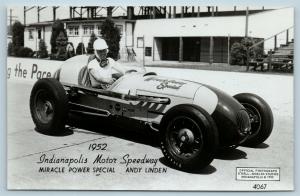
pixel 102 54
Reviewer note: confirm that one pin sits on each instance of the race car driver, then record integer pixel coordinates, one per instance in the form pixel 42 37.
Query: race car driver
pixel 101 68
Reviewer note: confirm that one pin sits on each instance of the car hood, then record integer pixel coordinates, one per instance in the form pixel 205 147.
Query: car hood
pixel 139 83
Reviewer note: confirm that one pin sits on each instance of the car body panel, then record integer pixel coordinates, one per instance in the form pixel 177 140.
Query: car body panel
pixel 127 98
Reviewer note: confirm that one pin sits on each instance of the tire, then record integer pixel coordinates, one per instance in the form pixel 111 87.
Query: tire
pixel 49 106
pixel 261 118
pixel 188 137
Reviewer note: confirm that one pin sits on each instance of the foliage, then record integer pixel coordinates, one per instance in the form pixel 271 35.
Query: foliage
pixel 111 34
pixel 10 49
pixel 61 44
pixel 90 47
pixel 17 37
pixel 24 52
pixel 42 53
pixel 239 51
pixel 57 28
pixel 80 49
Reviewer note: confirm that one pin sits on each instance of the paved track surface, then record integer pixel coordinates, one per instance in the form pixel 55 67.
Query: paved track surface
pixel 26 147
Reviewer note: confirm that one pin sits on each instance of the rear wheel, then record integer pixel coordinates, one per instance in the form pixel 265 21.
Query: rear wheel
pixel 189 137
pixel 261 118
pixel 49 106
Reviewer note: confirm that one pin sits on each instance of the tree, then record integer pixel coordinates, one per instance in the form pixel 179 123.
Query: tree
pixel 80 49
pixel 42 53
pixel 239 51
pixel 111 34
pixel 18 37
pixel 9 49
pixel 24 52
pixel 90 48
pixel 61 44
pixel 57 28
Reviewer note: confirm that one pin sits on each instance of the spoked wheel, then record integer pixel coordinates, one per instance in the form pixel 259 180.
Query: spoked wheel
pixel 184 137
pixel 189 137
pixel 49 106
pixel 261 118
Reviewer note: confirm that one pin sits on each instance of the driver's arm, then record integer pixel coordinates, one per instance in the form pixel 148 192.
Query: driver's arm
pixel 102 79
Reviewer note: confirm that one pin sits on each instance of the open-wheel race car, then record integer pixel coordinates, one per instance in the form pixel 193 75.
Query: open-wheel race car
pixel 192 119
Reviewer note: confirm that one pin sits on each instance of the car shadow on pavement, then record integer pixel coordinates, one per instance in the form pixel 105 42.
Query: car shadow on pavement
pixel 260 146
pixel 205 171
pixel 228 153
pixel 66 132
pixel 142 136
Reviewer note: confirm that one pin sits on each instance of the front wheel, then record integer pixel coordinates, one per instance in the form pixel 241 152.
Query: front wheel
pixel 49 106
pixel 261 118
pixel 189 137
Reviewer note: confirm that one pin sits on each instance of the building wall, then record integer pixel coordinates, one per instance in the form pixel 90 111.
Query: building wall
pixel 268 23
pixel 76 39
pixel 32 41
pixel 261 25
pixel 81 37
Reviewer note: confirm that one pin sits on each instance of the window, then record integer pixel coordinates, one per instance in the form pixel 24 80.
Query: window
pixel 85 30
pixel 76 32
pixel 39 34
pixel 91 29
pixel 70 30
pixel 148 51
pixel 73 30
pixel 88 30
pixel 30 34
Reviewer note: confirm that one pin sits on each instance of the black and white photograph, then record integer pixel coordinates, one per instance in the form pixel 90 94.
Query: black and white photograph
pixel 167 98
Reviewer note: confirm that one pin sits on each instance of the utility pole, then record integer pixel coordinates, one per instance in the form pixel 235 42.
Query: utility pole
pixel 228 49
pixel 174 11
pixel 11 19
pixel 246 36
pixel 211 43
pixel 180 49
pixel 109 11
pixel 143 51
pixel 39 9
pixel 54 12
pixel 26 10
pixel 247 22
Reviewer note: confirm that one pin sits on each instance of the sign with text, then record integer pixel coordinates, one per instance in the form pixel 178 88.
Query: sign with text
pixel 30 69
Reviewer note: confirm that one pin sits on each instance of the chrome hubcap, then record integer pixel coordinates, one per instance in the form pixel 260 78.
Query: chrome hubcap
pixel 186 136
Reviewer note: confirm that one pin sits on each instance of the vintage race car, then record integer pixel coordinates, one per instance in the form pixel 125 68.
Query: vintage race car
pixel 192 119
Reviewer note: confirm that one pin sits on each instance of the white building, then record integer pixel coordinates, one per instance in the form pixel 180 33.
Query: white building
pixel 77 31
pixel 186 36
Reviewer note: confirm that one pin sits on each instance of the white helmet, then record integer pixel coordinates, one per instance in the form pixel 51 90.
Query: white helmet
pixel 100 44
